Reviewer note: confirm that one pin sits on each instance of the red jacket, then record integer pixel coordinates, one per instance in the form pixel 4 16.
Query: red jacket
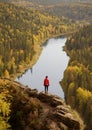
pixel 46 82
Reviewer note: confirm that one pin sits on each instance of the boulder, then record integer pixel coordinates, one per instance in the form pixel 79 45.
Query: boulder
pixel 52 100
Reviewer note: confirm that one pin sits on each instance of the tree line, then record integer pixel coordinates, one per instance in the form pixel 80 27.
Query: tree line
pixel 74 11
pixel 77 81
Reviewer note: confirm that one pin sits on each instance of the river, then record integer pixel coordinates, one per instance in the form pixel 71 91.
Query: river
pixel 52 62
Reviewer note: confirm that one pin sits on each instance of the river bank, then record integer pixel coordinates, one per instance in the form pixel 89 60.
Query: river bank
pixel 38 50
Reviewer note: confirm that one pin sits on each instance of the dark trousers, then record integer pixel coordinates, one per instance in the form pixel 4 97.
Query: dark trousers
pixel 46 88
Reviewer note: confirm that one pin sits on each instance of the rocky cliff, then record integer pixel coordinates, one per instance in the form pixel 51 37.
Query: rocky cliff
pixel 31 110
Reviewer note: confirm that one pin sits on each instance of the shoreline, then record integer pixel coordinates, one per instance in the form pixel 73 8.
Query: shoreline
pixel 37 54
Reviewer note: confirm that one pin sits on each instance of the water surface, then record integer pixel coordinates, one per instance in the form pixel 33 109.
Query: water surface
pixel 52 62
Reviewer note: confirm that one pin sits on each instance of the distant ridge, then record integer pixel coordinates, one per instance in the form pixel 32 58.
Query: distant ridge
pixel 47 2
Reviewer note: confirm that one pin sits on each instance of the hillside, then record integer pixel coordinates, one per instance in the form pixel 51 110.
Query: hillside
pixel 22 108
pixel 22 32
pixel 72 10
pixel 48 2
pixel 77 81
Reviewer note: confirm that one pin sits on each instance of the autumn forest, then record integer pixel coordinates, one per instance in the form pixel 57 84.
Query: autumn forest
pixel 23 30
pixel 77 81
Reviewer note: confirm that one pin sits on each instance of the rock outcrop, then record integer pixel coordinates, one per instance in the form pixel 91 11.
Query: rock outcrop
pixel 31 110
pixel 58 117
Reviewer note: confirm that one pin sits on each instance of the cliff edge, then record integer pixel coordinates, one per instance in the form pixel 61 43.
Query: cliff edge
pixel 31 110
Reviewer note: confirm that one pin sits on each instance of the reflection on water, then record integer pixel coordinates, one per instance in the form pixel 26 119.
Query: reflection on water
pixel 52 62
pixel 31 70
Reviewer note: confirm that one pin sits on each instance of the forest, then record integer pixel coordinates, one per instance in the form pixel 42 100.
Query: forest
pixel 76 11
pixel 49 2
pixel 21 30
pixel 80 11
pixel 77 81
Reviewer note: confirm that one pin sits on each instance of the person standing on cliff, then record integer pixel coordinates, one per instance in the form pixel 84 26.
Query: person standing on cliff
pixel 46 84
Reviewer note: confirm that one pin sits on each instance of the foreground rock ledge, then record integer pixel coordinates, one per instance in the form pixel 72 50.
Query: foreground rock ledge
pixel 58 113
pixel 53 115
